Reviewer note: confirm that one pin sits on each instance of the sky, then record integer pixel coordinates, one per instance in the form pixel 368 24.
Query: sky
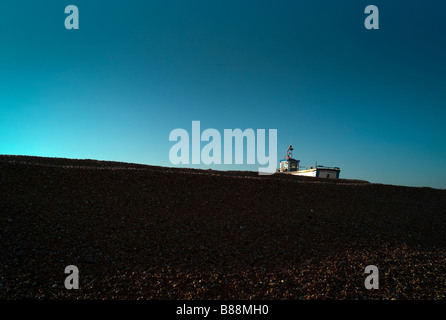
pixel 372 102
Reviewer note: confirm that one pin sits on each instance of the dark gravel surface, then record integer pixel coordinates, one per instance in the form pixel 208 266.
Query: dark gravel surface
pixel 143 232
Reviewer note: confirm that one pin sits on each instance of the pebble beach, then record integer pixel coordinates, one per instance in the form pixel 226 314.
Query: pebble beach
pixel 154 233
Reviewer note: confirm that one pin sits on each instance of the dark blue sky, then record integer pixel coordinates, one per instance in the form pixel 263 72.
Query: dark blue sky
pixel 369 101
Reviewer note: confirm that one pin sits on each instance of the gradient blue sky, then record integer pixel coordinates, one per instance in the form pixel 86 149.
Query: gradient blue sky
pixel 369 101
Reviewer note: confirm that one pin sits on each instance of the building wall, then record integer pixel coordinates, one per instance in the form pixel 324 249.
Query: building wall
pixel 321 173
pixel 330 174
pixel 308 173
pixel 289 165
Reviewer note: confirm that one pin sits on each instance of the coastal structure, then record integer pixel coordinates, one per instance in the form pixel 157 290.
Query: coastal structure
pixel 292 166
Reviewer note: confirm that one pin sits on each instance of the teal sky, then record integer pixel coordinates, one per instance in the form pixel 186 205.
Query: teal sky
pixel 369 101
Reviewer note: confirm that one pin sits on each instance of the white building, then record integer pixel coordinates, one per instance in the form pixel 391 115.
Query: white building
pixel 291 166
